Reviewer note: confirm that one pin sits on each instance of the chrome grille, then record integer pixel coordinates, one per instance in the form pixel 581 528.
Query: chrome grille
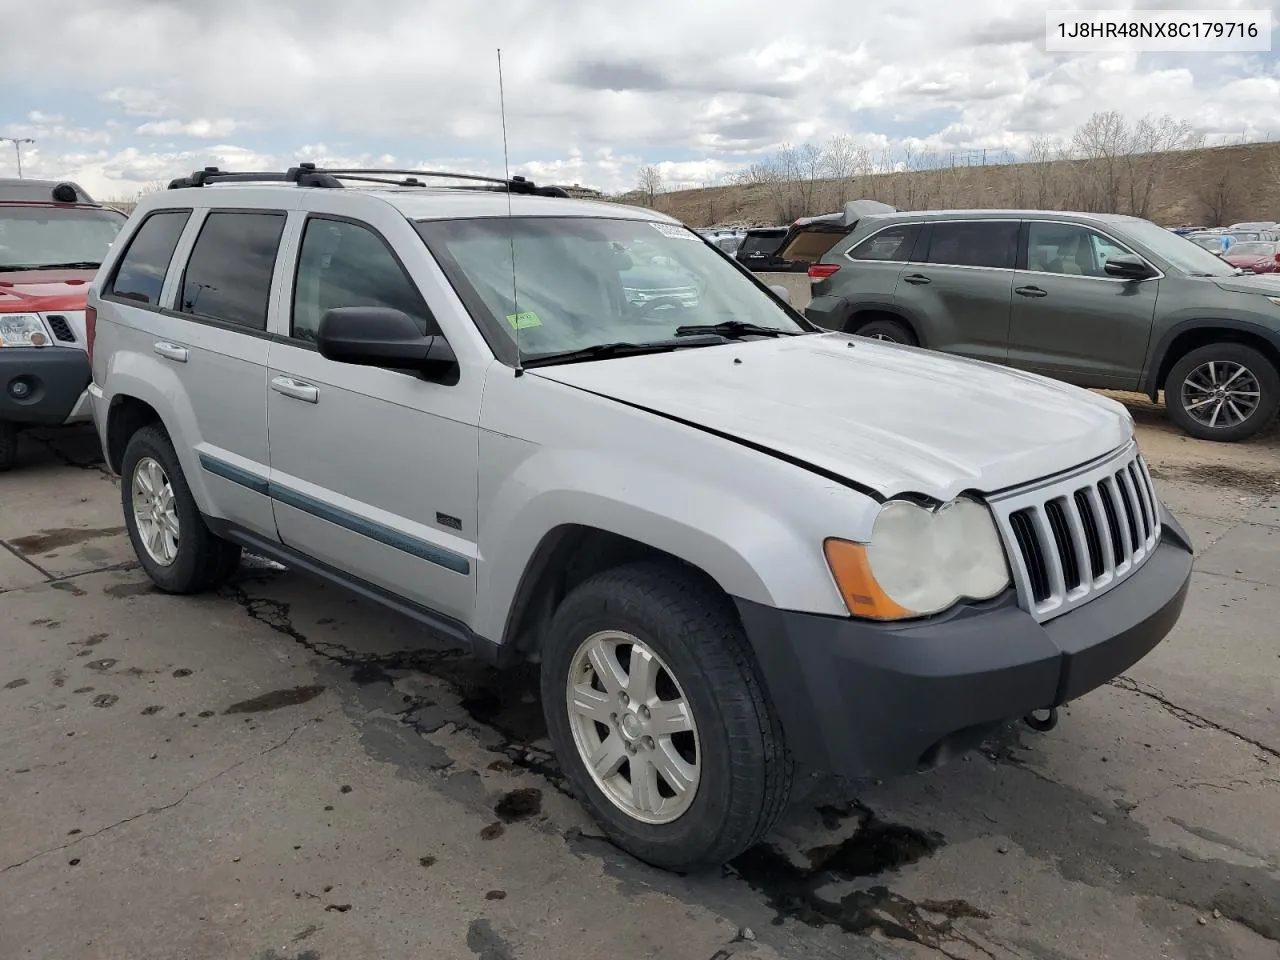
pixel 1073 538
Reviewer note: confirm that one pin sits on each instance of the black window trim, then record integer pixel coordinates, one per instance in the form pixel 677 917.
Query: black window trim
pixel 108 291
pixel 218 322
pixel 287 337
pixel 925 240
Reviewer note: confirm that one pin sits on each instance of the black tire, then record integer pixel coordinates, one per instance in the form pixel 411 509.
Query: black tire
pixel 1262 371
pixel 8 445
pixel 204 561
pixel 746 771
pixel 895 331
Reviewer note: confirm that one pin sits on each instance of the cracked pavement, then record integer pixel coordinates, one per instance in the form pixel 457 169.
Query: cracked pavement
pixel 281 772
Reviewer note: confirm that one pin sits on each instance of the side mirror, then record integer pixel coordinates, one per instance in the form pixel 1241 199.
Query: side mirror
pixel 782 293
pixel 382 337
pixel 1128 267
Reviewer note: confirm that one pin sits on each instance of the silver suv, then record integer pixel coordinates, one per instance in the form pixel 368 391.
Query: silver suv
pixel 743 551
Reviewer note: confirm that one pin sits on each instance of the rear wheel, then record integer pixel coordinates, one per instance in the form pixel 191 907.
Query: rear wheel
pixel 179 553
pixel 659 717
pixel 893 331
pixel 1223 391
pixel 8 445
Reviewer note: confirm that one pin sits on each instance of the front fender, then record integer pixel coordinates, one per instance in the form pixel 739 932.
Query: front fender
pixel 735 538
pixel 1239 324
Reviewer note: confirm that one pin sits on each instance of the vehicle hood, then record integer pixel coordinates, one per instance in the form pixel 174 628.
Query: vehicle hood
pixel 891 418
pixel 1262 284
pixel 38 291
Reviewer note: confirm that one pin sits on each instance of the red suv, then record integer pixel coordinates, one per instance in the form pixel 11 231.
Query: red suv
pixel 53 237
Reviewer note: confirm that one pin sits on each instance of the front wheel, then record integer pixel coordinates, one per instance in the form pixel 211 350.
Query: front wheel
pixel 658 715
pixel 1224 391
pixel 176 549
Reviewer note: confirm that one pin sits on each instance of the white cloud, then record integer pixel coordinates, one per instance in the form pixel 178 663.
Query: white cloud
pixel 697 88
pixel 197 129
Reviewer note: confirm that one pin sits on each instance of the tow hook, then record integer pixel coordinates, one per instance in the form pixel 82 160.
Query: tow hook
pixel 1042 726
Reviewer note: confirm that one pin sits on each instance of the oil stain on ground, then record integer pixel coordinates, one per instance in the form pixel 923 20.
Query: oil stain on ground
pixel 121 591
pixel 800 892
pixel 275 700
pixel 519 804
pixel 47 540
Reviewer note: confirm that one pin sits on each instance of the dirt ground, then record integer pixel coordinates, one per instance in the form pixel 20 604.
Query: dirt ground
pixel 281 772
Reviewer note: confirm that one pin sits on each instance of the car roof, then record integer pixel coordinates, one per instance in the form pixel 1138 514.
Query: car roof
pixel 26 190
pixel 974 214
pixel 415 203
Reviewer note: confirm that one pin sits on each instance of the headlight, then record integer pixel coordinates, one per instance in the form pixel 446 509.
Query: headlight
pixel 22 330
pixel 920 561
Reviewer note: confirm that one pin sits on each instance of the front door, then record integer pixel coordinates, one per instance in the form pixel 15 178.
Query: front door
pixel 373 471
pixel 1072 321
pixel 960 287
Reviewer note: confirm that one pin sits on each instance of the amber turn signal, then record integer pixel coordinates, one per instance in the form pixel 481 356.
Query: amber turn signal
pixel 852 573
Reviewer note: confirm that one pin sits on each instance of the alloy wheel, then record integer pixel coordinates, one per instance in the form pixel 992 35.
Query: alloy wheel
pixel 633 727
pixel 1221 394
pixel 155 511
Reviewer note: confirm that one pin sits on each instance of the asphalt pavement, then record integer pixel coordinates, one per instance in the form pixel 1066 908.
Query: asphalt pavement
pixel 281 772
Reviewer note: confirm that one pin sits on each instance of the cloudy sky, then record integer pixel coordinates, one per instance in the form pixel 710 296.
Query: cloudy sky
pixel 121 93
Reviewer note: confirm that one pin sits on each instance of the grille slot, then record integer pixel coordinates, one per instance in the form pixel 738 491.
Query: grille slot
pixel 61 328
pixel 1074 540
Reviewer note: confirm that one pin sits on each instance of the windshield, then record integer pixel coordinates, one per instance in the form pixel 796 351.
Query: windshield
pixel 1211 242
pixel 1179 252
pixel 1262 249
pixel 34 238
pixel 582 282
pixel 761 243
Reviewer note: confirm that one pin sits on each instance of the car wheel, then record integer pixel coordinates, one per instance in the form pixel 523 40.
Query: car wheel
pixel 891 330
pixel 1223 391
pixel 8 445
pixel 178 552
pixel 658 715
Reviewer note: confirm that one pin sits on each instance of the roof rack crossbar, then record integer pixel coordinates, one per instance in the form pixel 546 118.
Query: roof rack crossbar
pixel 309 175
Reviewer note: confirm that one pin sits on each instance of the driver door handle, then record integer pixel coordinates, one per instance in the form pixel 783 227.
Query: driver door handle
pixel 171 351
pixel 917 278
pixel 296 389
pixel 1030 292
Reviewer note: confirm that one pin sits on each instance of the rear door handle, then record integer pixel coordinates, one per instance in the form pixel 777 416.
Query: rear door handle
pixel 296 389
pixel 171 351
pixel 917 278
pixel 1030 292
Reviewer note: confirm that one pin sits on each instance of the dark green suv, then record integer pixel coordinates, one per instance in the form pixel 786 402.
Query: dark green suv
pixel 1096 300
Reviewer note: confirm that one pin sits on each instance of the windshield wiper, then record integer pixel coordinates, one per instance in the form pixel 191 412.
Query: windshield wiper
pixel 602 351
pixel 732 329
pixel 71 265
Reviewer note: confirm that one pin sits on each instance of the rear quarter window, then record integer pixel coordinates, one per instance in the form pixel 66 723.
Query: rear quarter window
pixel 139 276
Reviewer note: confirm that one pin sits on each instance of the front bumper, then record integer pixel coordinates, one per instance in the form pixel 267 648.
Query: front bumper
pixel 863 699
pixel 42 386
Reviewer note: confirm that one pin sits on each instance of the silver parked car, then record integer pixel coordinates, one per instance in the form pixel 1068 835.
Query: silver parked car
pixel 741 549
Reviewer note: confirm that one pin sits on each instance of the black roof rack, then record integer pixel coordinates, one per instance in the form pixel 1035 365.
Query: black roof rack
pixel 309 175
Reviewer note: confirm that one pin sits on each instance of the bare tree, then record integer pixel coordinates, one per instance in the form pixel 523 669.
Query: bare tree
pixel 649 181
pixel 1102 142
pixel 1151 145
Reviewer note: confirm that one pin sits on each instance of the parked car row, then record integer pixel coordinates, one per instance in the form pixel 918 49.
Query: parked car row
pixel 743 549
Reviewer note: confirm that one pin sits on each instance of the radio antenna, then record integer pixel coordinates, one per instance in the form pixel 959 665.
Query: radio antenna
pixel 506 173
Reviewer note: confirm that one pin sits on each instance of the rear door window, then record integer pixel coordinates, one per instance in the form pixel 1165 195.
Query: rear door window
pixel 974 243
pixel 140 274
pixel 228 276
pixel 892 243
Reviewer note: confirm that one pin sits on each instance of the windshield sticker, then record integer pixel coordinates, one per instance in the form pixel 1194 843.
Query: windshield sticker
pixel 523 321
pixel 674 232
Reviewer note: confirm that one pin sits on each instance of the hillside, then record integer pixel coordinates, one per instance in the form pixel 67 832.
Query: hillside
pixel 1209 187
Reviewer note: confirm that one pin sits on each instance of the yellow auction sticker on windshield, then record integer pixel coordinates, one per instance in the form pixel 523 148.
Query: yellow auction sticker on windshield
pixel 523 321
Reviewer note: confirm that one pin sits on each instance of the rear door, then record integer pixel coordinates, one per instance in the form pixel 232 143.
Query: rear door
pixel 217 344
pixel 960 285
pixel 1072 321
pixel 373 471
